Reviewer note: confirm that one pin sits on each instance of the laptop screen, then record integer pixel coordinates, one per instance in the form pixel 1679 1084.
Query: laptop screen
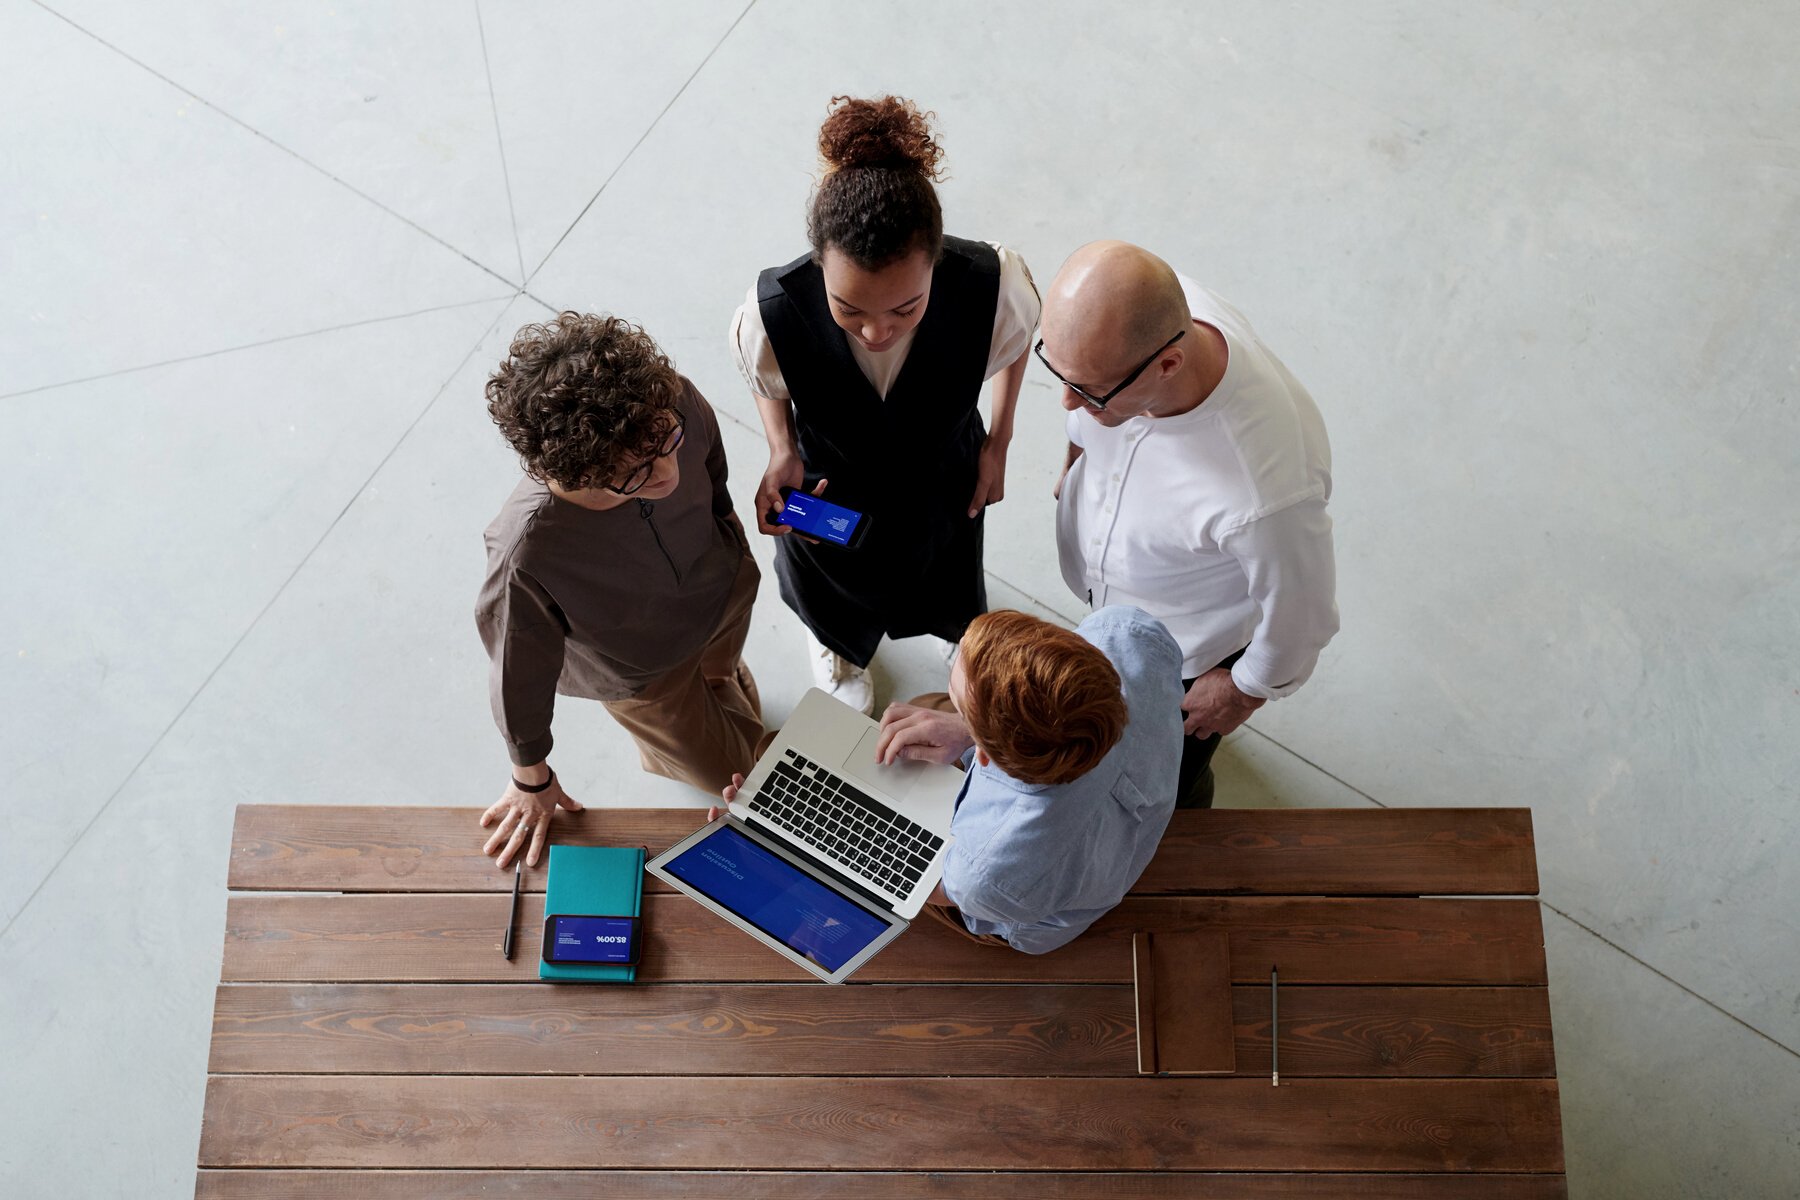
pixel 777 897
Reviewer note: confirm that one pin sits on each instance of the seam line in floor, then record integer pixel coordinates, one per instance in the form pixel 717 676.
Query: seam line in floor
pixel 291 153
pixel 101 809
pixel 679 92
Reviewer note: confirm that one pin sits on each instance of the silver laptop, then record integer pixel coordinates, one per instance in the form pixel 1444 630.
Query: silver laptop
pixel 825 855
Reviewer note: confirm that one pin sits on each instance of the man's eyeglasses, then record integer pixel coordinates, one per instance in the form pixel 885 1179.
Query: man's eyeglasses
pixel 638 478
pixel 1100 402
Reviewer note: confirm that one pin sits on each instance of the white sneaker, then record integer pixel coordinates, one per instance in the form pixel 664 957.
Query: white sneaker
pixel 840 678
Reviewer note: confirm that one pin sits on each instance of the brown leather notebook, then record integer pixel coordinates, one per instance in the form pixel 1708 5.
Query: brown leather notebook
pixel 1184 1003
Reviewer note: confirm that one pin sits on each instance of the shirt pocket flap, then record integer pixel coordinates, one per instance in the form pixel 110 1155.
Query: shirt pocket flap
pixel 1127 796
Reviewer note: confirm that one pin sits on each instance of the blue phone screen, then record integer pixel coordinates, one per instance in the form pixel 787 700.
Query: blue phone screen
pixel 594 939
pixel 819 518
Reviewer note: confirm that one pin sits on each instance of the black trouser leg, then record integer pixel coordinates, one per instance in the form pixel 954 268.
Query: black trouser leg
pixel 1194 789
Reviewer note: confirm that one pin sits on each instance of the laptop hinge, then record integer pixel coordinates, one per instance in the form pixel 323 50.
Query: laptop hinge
pixel 819 864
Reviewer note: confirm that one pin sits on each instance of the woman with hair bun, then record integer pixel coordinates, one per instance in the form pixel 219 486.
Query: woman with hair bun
pixel 866 357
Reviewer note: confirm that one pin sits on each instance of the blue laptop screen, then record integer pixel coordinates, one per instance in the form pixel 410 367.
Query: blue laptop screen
pixel 777 897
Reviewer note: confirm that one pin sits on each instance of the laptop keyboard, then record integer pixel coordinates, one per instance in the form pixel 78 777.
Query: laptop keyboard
pixel 859 831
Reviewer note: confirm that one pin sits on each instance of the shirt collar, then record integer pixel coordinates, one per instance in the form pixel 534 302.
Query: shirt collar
pixel 991 772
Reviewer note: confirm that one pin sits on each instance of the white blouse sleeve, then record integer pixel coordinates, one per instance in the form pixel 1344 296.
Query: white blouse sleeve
pixel 754 353
pixel 1015 312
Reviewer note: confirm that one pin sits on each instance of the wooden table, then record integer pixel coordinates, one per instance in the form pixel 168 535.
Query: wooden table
pixel 370 1041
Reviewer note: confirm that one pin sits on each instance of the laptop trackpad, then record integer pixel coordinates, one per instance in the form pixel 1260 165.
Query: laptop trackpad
pixel 896 780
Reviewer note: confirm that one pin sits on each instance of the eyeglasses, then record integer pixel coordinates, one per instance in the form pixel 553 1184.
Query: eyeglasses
pixel 1100 402
pixel 639 477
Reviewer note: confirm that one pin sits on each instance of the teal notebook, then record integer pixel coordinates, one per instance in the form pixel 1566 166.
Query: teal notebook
pixel 602 881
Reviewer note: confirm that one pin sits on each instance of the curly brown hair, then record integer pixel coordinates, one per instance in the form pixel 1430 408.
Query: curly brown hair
pixel 583 398
pixel 876 202
pixel 1043 701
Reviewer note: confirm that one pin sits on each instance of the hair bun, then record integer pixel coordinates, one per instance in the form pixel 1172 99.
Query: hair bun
pixel 889 132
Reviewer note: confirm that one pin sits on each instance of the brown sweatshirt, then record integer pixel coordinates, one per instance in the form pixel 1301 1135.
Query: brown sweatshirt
pixel 599 604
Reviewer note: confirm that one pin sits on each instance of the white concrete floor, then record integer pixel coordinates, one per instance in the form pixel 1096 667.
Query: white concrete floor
pixel 1536 262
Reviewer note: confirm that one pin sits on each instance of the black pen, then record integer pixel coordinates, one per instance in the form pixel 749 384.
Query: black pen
pixel 1274 1029
pixel 512 914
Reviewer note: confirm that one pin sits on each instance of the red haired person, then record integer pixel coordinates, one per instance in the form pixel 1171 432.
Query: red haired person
pixel 1072 743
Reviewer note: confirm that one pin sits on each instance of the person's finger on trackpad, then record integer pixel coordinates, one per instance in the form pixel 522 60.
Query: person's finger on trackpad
pixel 861 764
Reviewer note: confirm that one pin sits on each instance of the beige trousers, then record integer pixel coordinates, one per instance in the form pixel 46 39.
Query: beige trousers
pixel 702 721
pixel 946 914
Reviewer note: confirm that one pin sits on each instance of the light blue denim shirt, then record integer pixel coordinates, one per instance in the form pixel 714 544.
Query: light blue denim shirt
pixel 1038 863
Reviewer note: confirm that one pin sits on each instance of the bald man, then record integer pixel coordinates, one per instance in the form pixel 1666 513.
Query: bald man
pixel 1195 486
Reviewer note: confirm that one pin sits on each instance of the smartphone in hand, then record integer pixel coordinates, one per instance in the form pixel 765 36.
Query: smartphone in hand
pixel 819 518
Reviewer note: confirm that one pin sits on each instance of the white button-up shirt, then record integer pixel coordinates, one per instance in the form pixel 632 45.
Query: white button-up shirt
pixel 1213 520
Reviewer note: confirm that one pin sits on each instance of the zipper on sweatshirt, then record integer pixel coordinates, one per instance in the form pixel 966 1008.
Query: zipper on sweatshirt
pixel 647 511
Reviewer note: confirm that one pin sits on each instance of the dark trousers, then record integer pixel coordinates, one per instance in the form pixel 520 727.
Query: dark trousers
pixel 849 599
pixel 1195 787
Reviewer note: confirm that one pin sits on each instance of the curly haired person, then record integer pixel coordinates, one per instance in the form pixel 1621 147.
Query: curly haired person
pixel 617 570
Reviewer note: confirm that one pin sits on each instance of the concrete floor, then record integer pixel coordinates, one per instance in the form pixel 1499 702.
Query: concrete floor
pixel 1536 262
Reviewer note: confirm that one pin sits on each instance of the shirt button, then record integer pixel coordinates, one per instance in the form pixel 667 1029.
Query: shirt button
pixel 1115 477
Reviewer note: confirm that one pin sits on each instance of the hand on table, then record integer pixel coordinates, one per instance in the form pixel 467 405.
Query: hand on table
pixel 1214 705
pixel 522 813
pixel 913 734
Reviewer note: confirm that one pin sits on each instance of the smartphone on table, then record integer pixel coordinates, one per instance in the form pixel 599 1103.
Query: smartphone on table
pixel 818 517
pixel 571 938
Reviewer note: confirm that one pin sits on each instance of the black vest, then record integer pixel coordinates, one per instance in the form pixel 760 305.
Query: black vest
pixel 909 461
pixel 928 428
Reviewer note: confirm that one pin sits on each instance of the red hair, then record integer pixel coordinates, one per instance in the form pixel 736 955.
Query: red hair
pixel 1043 701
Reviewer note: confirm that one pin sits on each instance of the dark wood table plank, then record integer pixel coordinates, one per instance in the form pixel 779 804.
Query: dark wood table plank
pixel 1346 852
pixel 900 1029
pixel 1349 852
pixel 674 1029
pixel 1415 1032
pixel 881 1124
pixel 450 938
pixel 869 1185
